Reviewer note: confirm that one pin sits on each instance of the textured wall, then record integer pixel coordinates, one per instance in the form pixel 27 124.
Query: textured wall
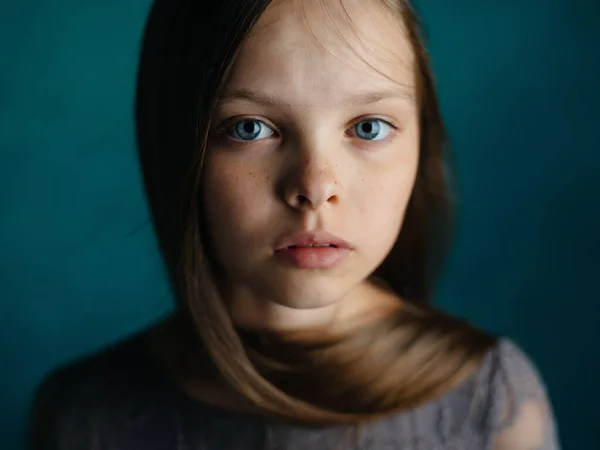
pixel 520 87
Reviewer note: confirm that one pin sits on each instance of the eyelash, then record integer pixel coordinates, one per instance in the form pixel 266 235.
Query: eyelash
pixel 225 128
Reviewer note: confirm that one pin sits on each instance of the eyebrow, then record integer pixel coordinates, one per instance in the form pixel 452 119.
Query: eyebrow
pixel 262 99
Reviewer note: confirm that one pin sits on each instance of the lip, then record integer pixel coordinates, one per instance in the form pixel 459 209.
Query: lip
pixel 319 250
pixel 312 238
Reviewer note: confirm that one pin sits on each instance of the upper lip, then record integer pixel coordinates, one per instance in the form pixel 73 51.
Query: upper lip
pixel 311 238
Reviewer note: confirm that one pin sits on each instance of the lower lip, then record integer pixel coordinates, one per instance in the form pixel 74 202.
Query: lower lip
pixel 313 257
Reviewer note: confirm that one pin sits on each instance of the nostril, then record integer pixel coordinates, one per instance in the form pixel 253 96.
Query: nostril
pixel 303 200
pixel 334 200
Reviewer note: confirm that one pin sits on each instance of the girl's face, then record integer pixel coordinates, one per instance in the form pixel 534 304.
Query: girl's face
pixel 316 132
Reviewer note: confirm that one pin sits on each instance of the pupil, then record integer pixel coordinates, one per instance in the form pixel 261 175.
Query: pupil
pixel 249 127
pixel 368 127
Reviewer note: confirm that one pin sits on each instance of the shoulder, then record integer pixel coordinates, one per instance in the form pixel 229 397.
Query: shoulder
pixel 514 373
pixel 515 401
pixel 75 399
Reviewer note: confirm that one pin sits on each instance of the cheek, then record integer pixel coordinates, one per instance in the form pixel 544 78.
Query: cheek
pixel 233 197
pixel 398 189
pixel 389 199
pixel 384 204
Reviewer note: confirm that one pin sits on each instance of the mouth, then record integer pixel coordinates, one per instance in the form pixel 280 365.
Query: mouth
pixel 312 250
pixel 318 239
pixel 313 245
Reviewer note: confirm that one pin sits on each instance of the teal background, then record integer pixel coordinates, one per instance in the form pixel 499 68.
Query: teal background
pixel 520 87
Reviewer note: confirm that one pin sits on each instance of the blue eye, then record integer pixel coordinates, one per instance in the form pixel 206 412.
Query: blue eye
pixel 250 130
pixel 372 129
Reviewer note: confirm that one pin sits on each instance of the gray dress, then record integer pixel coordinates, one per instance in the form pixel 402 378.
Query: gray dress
pixel 120 401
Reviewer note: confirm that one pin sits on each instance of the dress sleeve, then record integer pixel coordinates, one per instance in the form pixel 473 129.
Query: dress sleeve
pixel 45 410
pixel 58 418
pixel 524 419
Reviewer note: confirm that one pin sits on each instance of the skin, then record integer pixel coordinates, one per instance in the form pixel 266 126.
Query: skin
pixel 308 169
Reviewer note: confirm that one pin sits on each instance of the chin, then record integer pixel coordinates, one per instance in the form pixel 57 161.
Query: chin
pixel 304 303
pixel 311 294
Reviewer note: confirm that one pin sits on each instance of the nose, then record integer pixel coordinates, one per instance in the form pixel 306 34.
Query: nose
pixel 311 183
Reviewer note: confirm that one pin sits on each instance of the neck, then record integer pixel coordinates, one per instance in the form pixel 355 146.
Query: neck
pixel 365 303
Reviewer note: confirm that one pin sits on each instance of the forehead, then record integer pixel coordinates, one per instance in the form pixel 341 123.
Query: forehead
pixel 317 53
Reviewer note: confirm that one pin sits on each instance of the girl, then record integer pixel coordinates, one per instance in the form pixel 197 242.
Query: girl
pixel 292 152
